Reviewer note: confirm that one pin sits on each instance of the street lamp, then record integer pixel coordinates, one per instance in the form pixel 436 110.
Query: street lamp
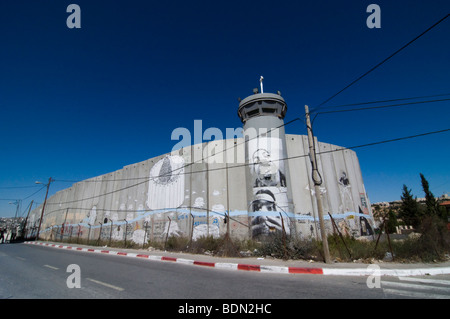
pixel 43 207
pixel 17 203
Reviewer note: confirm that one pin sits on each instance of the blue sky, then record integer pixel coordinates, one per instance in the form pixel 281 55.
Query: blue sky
pixel 78 103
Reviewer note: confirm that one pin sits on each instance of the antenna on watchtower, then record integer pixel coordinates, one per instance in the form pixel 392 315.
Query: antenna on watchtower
pixel 261 82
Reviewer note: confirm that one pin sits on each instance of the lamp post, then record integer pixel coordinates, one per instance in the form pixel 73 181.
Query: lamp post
pixel 17 203
pixel 43 207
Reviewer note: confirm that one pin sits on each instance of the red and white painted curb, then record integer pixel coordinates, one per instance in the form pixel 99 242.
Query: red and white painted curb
pixel 230 266
pixel 368 271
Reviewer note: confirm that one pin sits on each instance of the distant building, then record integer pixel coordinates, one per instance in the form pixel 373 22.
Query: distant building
pixel 446 204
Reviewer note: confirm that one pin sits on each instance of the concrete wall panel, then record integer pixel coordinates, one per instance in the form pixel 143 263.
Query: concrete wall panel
pixel 330 177
pixel 217 186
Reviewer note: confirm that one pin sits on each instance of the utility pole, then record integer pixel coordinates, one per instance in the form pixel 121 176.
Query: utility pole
pixel 317 183
pixel 43 207
pixel 24 230
pixel 17 203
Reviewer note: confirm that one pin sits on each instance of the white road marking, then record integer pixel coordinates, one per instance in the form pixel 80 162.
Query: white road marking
pixel 51 267
pixel 414 286
pixel 414 294
pixel 410 286
pixel 427 281
pixel 105 284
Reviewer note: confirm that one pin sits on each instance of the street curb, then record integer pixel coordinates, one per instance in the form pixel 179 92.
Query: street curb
pixel 371 270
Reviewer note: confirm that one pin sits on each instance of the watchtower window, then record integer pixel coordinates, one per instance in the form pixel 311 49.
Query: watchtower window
pixel 253 113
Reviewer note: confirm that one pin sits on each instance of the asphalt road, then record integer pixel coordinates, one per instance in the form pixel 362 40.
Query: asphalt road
pixel 36 272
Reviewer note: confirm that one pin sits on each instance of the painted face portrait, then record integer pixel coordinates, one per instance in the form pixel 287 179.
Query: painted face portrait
pixel 265 170
pixel 343 180
pixel 265 224
pixel 264 202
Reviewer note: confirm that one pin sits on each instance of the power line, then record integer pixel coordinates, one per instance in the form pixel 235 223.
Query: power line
pixel 195 162
pixel 382 62
pixel 34 192
pixel 145 179
pixel 382 106
pixel 248 164
pixel 27 196
pixel 352 83
pixel 384 101
pixel 393 140
pixel 181 168
pixel 359 78
pixel 14 187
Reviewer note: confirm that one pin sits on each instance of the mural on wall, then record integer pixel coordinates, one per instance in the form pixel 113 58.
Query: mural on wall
pixel 268 170
pixel 166 184
pixel 197 206
pixel 270 201
pixel 365 208
pixel 139 236
pixel 92 215
pixel 366 228
pixel 171 227
pixel 345 193
pixel 204 230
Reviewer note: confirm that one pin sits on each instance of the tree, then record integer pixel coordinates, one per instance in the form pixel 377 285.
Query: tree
pixel 392 222
pixel 432 204
pixel 409 211
pixel 435 236
pixel 430 201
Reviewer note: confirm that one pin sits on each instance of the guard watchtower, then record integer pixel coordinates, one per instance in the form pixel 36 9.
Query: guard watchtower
pixel 262 104
pixel 269 194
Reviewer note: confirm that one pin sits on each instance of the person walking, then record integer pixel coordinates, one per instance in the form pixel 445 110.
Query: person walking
pixel 13 234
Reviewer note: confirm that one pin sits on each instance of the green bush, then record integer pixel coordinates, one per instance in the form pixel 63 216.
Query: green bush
pixel 176 243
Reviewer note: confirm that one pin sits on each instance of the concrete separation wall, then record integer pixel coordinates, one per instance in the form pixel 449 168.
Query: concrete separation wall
pixel 170 195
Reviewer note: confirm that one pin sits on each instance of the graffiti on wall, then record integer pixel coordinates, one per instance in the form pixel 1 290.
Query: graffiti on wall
pixel 196 206
pixel 365 208
pixel 345 193
pixel 166 184
pixel 270 200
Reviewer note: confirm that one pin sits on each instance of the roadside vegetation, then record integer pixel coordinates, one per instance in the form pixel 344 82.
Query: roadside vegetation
pixel 430 241
pixel 430 244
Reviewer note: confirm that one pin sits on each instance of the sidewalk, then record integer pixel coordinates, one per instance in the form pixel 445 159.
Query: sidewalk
pixel 265 264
